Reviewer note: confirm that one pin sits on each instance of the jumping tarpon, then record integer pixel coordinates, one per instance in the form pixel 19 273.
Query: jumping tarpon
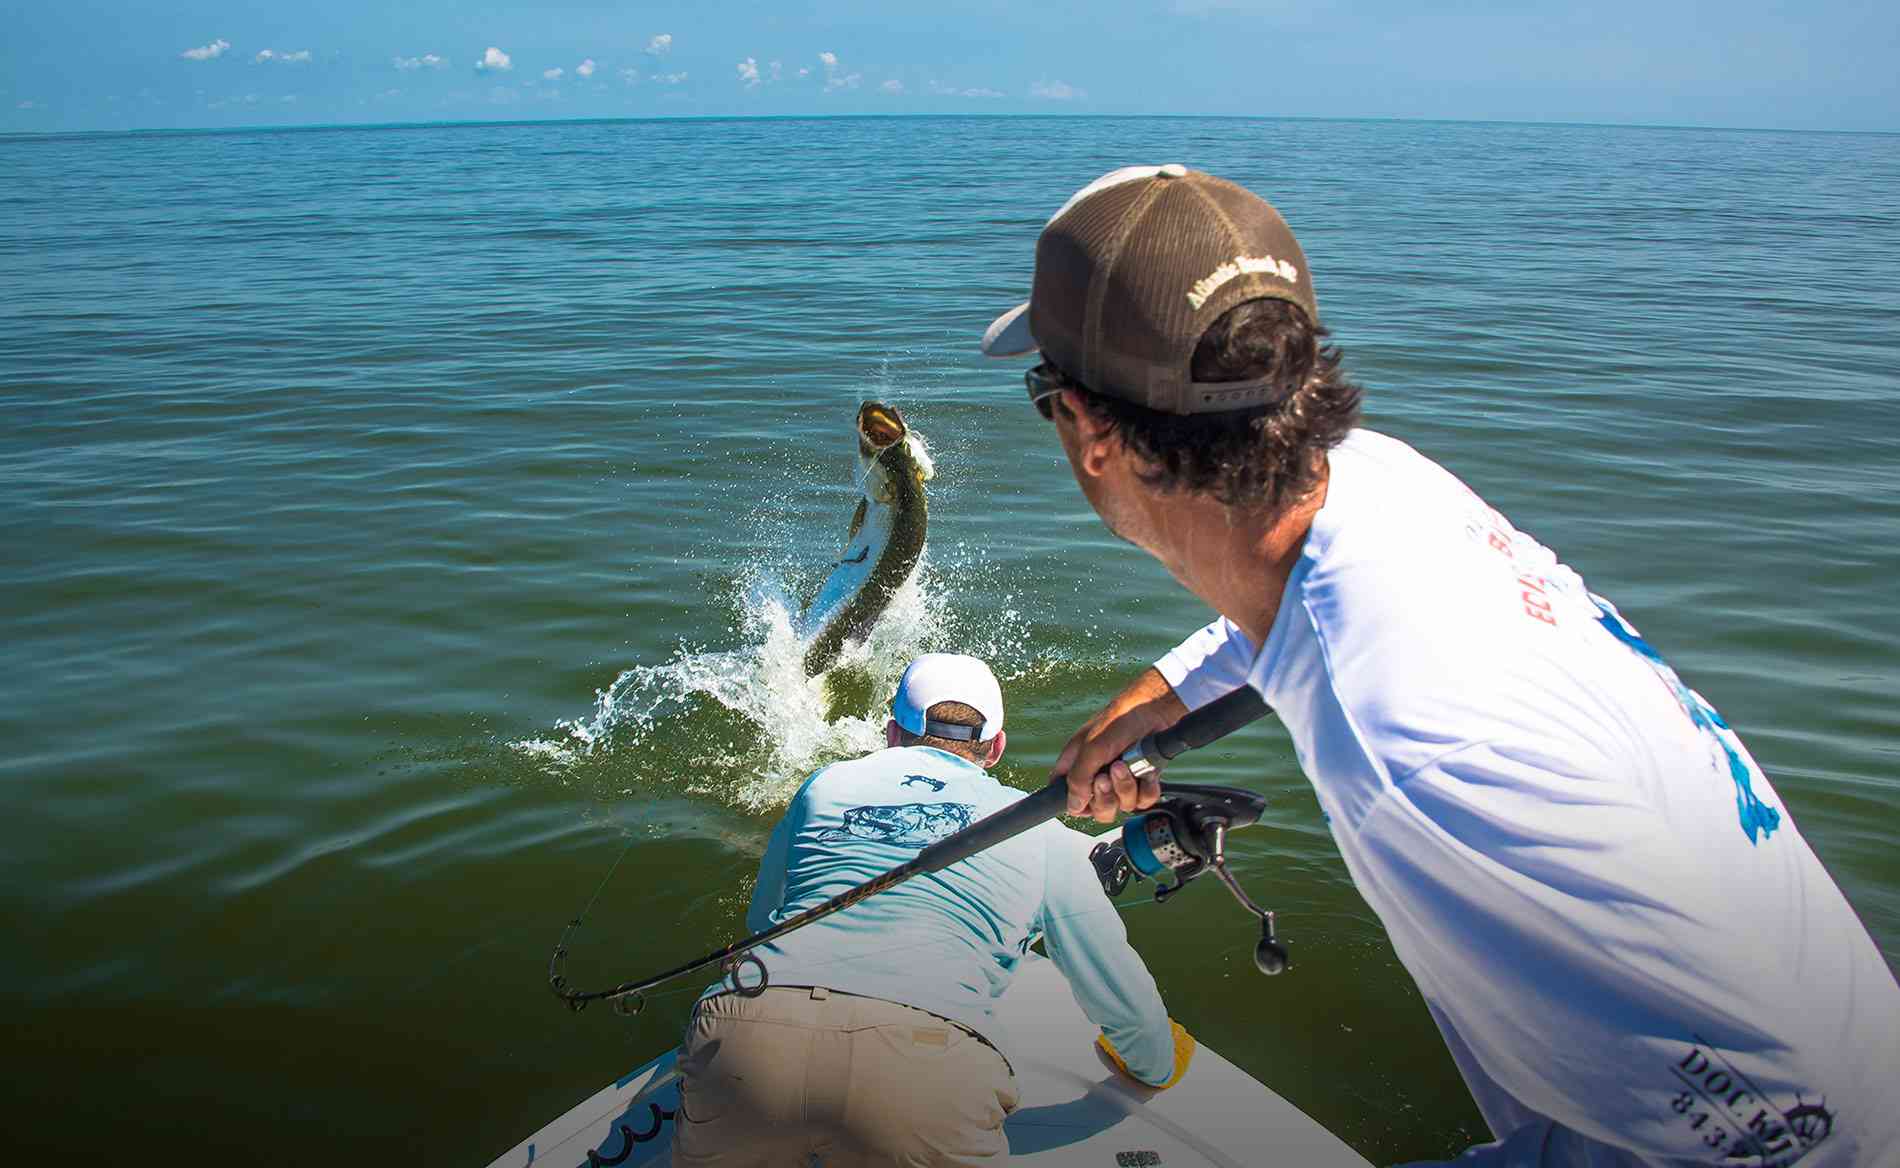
pixel 885 540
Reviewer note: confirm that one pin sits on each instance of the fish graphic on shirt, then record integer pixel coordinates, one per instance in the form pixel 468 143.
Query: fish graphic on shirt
pixel 908 825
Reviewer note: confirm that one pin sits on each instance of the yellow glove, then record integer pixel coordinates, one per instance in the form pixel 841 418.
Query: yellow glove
pixel 1183 1054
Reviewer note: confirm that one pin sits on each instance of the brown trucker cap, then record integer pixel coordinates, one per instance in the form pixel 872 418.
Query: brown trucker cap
pixel 1132 270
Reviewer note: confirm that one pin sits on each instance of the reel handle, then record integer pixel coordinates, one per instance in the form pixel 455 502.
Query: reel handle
pixel 1270 957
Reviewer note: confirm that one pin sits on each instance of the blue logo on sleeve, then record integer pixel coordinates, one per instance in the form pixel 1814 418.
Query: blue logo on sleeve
pixel 1758 819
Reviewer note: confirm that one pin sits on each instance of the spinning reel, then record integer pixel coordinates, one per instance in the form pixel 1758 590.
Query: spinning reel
pixel 1186 834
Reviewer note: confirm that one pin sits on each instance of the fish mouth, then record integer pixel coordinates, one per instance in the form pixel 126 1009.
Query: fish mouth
pixel 879 427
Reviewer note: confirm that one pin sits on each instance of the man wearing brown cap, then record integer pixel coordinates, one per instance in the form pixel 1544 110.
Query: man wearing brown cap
pixel 1629 949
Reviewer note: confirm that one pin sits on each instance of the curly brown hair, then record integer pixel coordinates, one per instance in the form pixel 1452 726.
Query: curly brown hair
pixel 1261 458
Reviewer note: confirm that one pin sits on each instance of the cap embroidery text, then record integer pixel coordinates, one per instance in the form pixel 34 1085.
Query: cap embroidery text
pixel 1238 266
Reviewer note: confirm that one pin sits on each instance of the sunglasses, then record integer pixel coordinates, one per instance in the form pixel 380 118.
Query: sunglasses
pixel 1044 382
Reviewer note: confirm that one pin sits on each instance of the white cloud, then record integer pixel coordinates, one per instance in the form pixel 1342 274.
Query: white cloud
pixel 291 98
pixel 835 77
pixel 660 45
pixel 208 52
pixel 669 78
pixel 585 68
pixel 494 60
pixel 892 86
pixel 1056 91
pixel 777 69
pixel 425 61
pixel 749 72
pixel 554 74
pixel 300 57
pixel 804 70
pixel 942 90
pixel 630 75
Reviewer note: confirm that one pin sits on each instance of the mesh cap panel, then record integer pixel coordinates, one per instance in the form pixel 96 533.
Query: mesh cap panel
pixel 1129 277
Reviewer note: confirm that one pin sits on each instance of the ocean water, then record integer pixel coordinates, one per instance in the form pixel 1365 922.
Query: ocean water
pixel 401 522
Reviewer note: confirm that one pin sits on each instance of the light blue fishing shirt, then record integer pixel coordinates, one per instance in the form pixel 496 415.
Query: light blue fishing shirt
pixel 947 942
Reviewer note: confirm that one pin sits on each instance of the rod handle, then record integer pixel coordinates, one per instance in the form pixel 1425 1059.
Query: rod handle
pixel 1216 719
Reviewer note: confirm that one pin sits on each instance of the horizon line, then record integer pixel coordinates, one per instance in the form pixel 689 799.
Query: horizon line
pixel 479 122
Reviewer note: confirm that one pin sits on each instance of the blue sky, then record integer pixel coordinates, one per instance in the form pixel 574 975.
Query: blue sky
pixel 112 64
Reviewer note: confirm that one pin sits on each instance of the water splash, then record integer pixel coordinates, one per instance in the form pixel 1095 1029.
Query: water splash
pixel 743 725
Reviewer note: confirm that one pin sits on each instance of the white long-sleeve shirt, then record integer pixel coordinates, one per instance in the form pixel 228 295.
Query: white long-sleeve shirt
pixel 948 942
pixel 1631 952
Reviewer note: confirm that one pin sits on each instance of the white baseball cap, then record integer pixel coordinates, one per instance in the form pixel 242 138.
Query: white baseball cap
pixel 948 677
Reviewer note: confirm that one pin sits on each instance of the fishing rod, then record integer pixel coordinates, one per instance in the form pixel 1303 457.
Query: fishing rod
pixel 1185 834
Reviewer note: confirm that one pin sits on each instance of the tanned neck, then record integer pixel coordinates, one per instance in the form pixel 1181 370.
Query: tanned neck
pixel 1236 562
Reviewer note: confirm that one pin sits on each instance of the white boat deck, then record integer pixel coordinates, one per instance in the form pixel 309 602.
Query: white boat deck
pixel 1076 1111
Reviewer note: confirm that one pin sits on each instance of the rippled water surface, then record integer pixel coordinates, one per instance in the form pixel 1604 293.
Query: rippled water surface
pixel 398 522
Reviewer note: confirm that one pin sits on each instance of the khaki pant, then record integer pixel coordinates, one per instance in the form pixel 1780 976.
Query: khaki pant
pixel 798 1077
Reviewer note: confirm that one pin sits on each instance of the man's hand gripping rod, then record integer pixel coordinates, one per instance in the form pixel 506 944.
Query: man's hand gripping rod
pixel 1214 720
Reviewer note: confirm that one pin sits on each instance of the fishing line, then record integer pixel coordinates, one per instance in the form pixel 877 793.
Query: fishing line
pixel 614 867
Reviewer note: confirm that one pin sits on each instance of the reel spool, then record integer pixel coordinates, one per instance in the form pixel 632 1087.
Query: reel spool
pixel 1185 835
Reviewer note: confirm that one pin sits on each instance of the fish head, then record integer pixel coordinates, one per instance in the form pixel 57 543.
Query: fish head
pixel 880 427
pixel 888 446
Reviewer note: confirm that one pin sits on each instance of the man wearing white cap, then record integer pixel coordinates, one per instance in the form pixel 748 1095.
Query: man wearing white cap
pixel 874 1042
